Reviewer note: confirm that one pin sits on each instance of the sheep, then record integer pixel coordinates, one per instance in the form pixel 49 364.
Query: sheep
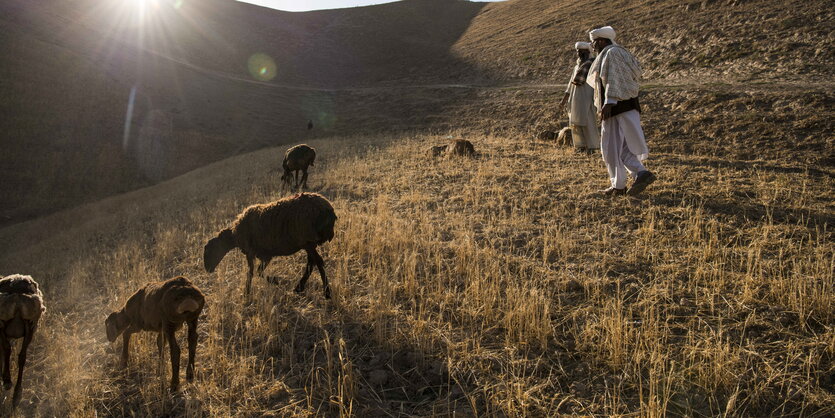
pixel 299 157
pixel 21 307
pixel 438 150
pixel 461 147
pixel 280 228
pixel 160 307
pixel 564 137
pixel 457 147
pixel 546 135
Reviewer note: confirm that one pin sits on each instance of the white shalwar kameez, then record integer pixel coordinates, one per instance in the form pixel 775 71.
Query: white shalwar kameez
pixel 623 145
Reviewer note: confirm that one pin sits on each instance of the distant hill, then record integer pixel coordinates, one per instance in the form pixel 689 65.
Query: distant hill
pixel 69 68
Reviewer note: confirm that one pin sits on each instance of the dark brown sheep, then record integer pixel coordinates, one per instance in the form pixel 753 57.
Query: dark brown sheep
pixel 438 150
pixel 297 158
pixel 461 147
pixel 21 307
pixel 283 227
pixel 161 307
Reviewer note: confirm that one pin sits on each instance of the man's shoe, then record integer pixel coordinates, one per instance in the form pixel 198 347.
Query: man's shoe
pixel 642 180
pixel 613 192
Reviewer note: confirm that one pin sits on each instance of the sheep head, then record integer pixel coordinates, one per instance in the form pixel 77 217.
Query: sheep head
pixel 116 323
pixel 216 249
pixel 287 178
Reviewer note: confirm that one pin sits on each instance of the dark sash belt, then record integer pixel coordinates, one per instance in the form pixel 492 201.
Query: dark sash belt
pixel 624 106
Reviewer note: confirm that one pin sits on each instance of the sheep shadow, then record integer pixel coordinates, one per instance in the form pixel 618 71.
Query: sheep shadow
pixel 323 352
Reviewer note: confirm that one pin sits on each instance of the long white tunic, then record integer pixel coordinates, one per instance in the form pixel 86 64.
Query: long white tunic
pixel 580 102
pixel 617 73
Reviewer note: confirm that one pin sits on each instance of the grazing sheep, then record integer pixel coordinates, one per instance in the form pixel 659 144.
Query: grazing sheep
pixel 461 147
pixel 546 135
pixel 160 307
pixel 283 227
pixel 21 306
pixel 564 137
pixel 438 150
pixel 298 158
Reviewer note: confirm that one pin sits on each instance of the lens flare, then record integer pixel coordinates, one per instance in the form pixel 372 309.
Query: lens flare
pixel 178 4
pixel 261 67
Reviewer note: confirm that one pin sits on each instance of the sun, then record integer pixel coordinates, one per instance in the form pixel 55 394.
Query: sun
pixel 144 6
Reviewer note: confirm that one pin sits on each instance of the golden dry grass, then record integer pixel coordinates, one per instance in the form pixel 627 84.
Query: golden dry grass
pixel 496 286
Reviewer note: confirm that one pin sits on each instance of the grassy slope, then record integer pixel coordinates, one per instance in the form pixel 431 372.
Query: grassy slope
pixel 697 41
pixel 499 285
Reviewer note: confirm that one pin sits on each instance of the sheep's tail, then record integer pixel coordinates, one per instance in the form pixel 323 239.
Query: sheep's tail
pixel 187 305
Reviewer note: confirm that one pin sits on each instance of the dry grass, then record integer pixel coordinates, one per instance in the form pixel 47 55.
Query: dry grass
pixel 491 286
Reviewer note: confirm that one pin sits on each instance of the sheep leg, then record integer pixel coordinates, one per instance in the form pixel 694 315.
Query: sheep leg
pixel 7 352
pixel 160 358
pixel 304 178
pixel 21 362
pixel 308 268
pixel 296 178
pixel 320 264
pixel 192 348
pixel 263 265
pixel 175 356
pixel 125 347
pixel 250 262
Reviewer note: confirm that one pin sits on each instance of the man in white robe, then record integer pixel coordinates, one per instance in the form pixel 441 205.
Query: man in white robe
pixel 580 98
pixel 615 75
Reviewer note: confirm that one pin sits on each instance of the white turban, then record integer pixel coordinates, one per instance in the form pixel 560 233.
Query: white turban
pixel 605 32
pixel 582 45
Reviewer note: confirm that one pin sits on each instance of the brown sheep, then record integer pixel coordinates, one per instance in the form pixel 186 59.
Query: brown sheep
pixel 546 135
pixel 160 307
pixel 21 307
pixel 438 150
pixel 283 227
pixel 299 157
pixel 461 147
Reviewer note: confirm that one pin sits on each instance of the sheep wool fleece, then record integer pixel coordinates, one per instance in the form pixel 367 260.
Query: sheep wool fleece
pixel 20 294
pixel 289 223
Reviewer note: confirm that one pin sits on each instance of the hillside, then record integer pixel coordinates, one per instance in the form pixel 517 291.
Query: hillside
pixel 71 65
pixel 696 41
pixel 70 68
pixel 493 286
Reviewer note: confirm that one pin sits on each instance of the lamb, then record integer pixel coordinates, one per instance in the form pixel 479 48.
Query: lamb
pixel 160 307
pixel 299 157
pixel 21 307
pixel 280 228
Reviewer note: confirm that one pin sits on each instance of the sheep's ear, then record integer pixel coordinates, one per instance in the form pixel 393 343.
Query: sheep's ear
pixel 216 249
pixel 113 326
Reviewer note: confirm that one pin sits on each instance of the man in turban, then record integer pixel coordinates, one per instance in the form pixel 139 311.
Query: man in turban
pixel 615 76
pixel 580 98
